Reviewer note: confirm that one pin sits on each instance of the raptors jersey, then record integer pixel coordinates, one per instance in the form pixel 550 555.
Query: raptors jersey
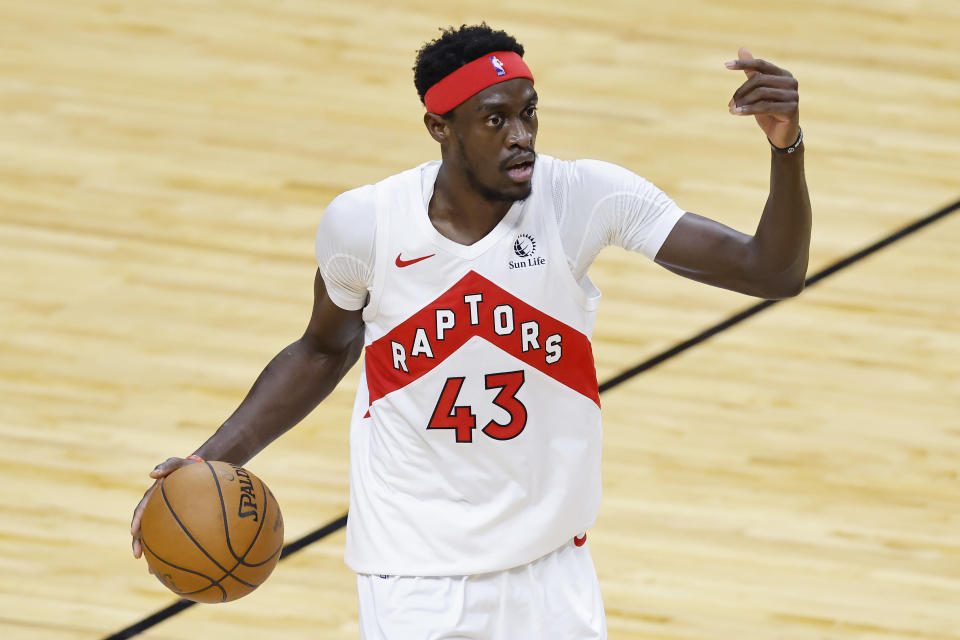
pixel 476 438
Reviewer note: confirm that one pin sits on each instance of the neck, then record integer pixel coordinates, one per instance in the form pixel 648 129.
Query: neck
pixel 459 211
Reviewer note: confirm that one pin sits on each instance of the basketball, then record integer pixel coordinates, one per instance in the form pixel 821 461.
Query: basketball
pixel 212 532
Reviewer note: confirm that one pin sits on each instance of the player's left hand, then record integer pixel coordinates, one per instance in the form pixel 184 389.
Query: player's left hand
pixel 770 93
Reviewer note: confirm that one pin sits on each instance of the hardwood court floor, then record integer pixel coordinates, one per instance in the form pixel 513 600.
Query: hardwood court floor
pixel 163 168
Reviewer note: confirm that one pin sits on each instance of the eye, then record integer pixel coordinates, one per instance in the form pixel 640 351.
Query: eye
pixel 495 120
pixel 530 111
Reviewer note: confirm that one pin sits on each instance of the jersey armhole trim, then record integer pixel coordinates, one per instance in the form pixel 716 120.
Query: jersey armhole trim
pixel 342 301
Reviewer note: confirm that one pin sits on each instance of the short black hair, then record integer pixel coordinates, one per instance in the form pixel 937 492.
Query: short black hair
pixel 456 47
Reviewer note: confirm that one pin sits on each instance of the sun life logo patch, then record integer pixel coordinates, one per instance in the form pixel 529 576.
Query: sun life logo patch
pixel 495 61
pixel 524 246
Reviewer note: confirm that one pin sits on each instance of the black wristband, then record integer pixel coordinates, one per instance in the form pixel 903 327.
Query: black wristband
pixel 791 148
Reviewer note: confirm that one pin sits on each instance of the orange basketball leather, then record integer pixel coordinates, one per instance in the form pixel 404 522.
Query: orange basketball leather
pixel 212 532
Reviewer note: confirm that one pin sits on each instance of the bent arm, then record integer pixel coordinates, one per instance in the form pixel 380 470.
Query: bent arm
pixel 770 264
pixel 293 383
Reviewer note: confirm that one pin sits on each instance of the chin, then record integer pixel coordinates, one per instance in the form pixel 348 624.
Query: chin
pixel 518 191
pixel 510 193
pixel 525 191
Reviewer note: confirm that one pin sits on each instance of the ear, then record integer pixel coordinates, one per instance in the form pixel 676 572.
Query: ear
pixel 438 127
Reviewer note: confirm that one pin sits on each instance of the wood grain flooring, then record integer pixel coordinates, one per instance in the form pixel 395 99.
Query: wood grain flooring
pixel 163 168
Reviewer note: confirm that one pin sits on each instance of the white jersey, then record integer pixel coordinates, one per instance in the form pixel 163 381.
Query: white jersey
pixel 475 441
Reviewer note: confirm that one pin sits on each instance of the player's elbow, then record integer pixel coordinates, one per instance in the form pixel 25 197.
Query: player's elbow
pixel 782 287
pixel 777 279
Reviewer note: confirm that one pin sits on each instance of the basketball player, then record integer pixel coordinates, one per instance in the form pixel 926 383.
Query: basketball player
pixel 475 441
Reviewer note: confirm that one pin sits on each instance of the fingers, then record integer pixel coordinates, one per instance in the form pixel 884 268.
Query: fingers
pixel 769 94
pixel 168 466
pixel 763 80
pixel 744 54
pixel 752 66
pixel 766 107
pixel 135 522
pixel 138 511
pixel 766 94
pixel 162 470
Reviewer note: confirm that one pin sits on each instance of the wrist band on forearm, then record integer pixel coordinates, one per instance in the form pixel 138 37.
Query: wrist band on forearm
pixel 791 148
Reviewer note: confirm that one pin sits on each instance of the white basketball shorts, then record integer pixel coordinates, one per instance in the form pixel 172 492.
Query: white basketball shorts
pixel 556 597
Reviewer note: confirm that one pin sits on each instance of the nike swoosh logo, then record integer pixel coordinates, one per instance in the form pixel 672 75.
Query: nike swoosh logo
pixel 406 263
pixel 577 540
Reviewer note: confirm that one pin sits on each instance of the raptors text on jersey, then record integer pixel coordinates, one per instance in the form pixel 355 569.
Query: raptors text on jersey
pixel 475 440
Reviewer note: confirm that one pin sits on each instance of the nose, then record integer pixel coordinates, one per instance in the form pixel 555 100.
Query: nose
pixel 520 134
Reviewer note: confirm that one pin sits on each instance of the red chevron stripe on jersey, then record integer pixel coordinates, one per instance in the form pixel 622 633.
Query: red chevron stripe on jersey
pixel 475 306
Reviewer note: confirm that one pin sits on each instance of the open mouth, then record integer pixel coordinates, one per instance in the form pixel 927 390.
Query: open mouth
pixel 521 172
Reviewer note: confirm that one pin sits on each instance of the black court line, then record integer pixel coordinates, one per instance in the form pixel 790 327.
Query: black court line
pixel 180 605
pixel 766 304
pixel 620 378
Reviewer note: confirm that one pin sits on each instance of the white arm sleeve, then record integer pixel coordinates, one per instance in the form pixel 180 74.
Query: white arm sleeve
pixel 345 247
pixel 604 204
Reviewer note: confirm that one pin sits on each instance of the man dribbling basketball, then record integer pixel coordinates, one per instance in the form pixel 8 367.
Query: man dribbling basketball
pixel 475 441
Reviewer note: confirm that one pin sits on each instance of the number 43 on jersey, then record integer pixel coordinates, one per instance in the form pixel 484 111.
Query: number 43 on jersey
pixel 448 415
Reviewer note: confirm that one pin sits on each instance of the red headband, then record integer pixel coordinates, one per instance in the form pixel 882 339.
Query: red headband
pixel 474 77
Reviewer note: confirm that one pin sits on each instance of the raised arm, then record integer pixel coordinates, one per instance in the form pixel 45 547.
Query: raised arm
pixel 773 262
pixel 288 389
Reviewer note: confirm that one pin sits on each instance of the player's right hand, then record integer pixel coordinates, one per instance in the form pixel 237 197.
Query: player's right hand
pixel 771 94
pixel 165 468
